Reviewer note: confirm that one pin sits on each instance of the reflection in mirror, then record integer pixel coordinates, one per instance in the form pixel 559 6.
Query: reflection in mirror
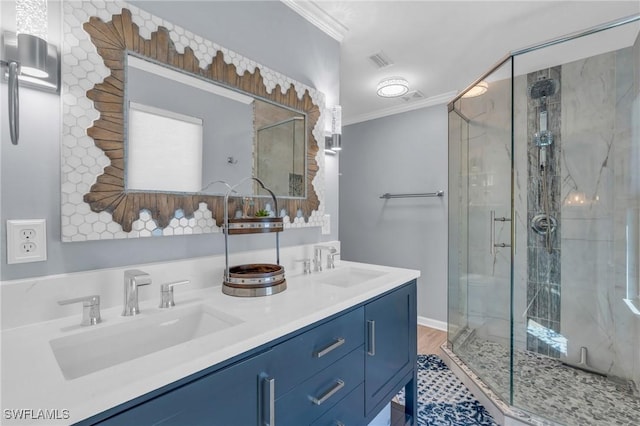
pixel 194 133
pixel 164 151
pixel 280 149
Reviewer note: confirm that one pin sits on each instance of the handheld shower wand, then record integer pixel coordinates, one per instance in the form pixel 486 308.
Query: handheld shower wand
pixel 543 138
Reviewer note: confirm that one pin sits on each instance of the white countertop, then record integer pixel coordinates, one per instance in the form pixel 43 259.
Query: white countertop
pixel 32 379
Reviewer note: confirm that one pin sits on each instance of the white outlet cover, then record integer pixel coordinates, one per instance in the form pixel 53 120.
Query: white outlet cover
pixel 15 240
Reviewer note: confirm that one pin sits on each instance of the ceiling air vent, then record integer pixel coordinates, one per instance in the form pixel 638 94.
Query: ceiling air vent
pixel 380 60
pixel 413 95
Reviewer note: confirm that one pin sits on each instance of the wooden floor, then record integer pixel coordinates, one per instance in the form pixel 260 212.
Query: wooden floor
pixel 430 339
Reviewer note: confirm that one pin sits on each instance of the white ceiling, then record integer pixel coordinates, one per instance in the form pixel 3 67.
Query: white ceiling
pixel 440 47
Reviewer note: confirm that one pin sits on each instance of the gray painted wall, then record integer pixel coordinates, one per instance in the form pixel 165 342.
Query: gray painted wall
pixel 267 32
pixel 403 153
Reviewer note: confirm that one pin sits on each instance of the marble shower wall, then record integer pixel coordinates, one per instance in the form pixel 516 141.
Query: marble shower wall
pixel 596 198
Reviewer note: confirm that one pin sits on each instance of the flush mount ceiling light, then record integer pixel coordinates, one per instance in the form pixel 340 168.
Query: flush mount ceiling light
pixel 477 90
pixel 393 87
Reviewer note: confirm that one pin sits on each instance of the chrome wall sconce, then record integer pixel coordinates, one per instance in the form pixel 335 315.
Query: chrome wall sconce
pixel 333 143
pixel 29 61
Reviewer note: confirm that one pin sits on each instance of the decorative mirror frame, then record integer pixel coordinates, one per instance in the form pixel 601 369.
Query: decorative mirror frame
pixel 95 202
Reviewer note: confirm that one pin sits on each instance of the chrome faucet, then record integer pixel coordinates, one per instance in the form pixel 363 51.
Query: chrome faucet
pixel 166 294
pixel 317 256
pixel 133 278
pixel 90 308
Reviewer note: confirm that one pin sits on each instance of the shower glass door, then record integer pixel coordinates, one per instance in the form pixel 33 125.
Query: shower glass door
pixel 480 232
pixel 576 124
pixel 544 228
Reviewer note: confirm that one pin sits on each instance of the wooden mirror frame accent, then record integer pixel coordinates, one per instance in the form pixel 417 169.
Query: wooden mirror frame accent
pixel 113 40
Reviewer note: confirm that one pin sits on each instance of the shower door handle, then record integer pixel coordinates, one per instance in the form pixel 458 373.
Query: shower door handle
pixel 492 233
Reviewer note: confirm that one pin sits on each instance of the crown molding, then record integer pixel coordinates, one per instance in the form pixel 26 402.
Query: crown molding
pixel 313 13
pixel 397 109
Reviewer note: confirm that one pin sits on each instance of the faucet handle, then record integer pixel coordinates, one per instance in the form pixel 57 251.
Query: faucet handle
pixel 306 265
pixel 166 293
pixel 331 259
pixel 90 308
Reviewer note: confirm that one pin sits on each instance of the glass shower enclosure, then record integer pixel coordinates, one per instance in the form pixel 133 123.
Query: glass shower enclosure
pixel 544 228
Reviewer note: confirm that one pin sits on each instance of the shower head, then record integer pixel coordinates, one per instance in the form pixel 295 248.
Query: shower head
pixel 542 88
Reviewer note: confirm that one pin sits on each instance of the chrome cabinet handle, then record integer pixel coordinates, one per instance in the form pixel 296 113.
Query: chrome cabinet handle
pixel 371 337
pixel 328 394
pixel 335 345
pixel 269 399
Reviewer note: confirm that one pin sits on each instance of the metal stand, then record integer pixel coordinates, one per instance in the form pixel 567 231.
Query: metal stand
pixel 255 279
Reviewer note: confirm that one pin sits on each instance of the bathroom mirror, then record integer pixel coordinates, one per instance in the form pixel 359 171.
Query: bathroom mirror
pixel 268 106
pixel 193 134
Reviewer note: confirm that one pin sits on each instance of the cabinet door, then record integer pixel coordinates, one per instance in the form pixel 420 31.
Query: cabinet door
pixel 390 324
pixel 229 397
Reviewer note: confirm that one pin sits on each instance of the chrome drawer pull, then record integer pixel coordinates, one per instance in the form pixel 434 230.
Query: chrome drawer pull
pixel 371 334
pixel 339 385
pixel 269 395
pixel 335 345
pixel 339 423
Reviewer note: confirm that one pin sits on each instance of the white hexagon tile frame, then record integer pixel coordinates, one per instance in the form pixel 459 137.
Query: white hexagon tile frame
pixel 83 162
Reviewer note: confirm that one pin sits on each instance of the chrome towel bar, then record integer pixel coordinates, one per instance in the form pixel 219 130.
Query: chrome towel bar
pixel 422 195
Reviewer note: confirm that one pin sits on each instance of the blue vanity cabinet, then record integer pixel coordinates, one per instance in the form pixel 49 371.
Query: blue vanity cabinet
pixel 391 348
pixel 341 370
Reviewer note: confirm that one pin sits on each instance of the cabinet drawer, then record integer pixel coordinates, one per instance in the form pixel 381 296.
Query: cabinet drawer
pixel 296 360
pixel 317 395
pixel 348 412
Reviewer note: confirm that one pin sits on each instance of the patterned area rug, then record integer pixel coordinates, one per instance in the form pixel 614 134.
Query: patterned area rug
pixel 443 400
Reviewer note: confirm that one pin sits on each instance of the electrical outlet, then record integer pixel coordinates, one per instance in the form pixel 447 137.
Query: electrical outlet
pixel 28 248
pixel 27 234
pixel 26 241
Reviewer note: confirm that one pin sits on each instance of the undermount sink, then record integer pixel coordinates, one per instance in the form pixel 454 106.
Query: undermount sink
pixel 107 346
pixel 348 277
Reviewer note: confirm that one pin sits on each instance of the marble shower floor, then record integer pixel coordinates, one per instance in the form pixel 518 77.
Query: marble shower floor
pixel 548 388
